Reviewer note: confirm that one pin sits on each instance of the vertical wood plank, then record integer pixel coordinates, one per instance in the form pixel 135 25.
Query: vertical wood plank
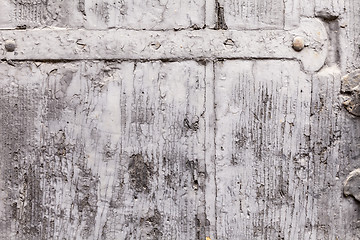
pixel 19 128
pixel 102 150
pixel 262 129
pixel 335 152
pixel 350 35
pixel 292 14
pixel 253 14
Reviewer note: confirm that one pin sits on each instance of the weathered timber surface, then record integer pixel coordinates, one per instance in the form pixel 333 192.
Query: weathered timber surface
pixel 260 143
pixel 96 150
pixel 254 14
pixel 179 119
pixel 112 44
pixel 103 14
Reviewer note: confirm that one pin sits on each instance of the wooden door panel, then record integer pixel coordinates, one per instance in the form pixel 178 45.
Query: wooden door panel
pixel 102 150
pixel 262 149
pixel 178 119
pixel 282 152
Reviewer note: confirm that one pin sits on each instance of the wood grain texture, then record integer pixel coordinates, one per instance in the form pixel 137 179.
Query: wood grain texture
pixel 250 146
pixel 262 112
pixel 333 133
pixel 253 14
pixel 123 162
pixel 170 45
pixel 283 145
pixel 350 36
pixel 104 14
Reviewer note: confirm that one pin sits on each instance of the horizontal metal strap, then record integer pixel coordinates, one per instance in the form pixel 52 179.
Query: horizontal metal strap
pixel 113 44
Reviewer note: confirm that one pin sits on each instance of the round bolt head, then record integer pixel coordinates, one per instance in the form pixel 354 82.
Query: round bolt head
pixel 298 44
pixel 10 45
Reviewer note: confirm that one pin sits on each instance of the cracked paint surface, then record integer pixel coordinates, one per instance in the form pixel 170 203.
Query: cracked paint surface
pixel 104 134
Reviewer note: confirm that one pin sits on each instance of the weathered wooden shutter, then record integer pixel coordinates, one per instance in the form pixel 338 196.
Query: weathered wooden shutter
pixel 179 119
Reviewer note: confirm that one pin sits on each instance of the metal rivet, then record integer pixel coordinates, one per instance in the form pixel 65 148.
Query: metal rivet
pixel 10 45
pixel 298 44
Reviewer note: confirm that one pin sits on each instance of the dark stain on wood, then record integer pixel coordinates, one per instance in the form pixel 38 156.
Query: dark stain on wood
pixel 220 21
pixel 140 173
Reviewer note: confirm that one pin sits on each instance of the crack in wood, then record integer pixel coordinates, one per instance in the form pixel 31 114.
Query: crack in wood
pixel 220 21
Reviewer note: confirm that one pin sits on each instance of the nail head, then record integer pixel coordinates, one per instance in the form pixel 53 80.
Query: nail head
pixel 298 44
pixel 10 45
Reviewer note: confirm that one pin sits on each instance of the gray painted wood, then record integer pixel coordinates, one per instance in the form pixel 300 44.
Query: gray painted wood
pixel 103 14
pixel 47 45
pixel 263 116
pixel 222 141
pixel 124 161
